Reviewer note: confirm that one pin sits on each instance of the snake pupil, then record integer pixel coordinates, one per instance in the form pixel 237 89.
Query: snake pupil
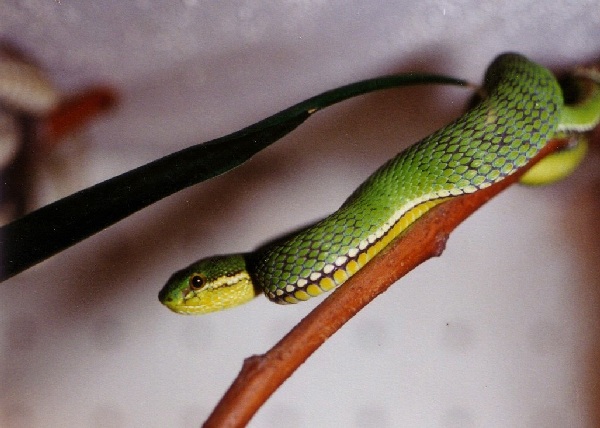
pixel 197 281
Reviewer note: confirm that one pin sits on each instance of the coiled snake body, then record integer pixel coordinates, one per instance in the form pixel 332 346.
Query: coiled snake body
pixel 523 109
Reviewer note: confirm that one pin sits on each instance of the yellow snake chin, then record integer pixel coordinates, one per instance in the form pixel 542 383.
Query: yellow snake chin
pixel 223 293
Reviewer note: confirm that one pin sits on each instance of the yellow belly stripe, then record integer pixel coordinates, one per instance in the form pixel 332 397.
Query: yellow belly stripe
pixel 290 299
pixel 347 265
pixel 362 259
pixel 313 290
pixel 341 274
pixel 352 267
pixel 301 295
pixel 327 284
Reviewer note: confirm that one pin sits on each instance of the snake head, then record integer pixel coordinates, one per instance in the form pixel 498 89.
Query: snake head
pixel 209 285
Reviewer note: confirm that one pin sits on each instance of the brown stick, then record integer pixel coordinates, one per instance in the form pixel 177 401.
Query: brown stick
pixel 261 375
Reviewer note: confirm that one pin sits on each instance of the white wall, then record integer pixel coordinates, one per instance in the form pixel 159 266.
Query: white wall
pixel 501 331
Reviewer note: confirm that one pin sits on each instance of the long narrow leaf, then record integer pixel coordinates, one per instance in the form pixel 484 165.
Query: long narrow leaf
pixel 55 227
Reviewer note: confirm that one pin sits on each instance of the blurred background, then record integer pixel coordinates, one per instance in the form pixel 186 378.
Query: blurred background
pixel 503 330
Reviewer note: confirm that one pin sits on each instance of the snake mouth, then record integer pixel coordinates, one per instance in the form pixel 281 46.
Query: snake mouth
pixel 181 308
pixel 175 301
pixel 178 304
pixel 187 301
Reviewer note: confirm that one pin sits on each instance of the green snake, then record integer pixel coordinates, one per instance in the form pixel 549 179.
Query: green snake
pixel 522 109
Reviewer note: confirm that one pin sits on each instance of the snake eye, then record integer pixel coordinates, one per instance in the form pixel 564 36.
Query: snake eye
pixel 197 281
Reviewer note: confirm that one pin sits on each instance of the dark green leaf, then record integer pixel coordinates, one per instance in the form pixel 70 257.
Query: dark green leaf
pixel 57 226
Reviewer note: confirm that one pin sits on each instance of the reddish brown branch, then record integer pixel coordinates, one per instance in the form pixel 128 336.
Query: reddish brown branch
pixel 261 375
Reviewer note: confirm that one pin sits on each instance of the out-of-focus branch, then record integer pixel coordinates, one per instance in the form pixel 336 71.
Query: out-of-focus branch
pixel 261 375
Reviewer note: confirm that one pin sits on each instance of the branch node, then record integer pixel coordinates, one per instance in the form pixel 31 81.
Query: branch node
pixel 439 244
pixel 253 364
